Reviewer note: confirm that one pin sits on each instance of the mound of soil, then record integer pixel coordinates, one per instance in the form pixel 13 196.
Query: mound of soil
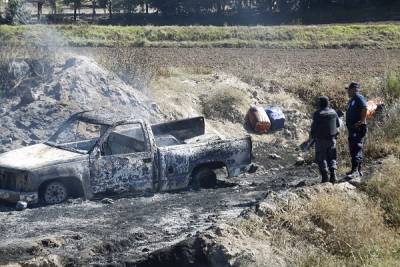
pixel 224 100
pixel 41 96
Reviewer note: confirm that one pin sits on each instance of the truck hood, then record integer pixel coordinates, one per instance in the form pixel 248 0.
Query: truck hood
pixel 36 156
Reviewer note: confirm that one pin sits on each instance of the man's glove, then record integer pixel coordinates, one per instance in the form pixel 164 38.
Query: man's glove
pixel 307 145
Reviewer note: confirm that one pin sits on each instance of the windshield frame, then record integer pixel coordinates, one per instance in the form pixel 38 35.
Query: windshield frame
pixel 68 122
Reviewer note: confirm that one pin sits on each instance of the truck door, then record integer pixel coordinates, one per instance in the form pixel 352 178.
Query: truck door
pixel 123 161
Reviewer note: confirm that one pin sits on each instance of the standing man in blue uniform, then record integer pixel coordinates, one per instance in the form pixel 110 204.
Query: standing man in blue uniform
pixel 357 127
pixel 324 130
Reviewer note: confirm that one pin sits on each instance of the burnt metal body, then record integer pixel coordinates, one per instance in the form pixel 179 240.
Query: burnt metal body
pixel 167 156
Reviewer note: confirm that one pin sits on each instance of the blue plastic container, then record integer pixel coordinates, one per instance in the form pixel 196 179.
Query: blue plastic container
pixel 276 117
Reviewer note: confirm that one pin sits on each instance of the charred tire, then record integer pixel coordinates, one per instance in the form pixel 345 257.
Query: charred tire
pixel 204 178
pixel 54 193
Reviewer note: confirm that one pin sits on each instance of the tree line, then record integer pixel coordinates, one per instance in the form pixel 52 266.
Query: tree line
pixel 287 8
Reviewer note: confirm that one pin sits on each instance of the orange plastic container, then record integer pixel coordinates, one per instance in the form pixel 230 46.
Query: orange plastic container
pixel 258 119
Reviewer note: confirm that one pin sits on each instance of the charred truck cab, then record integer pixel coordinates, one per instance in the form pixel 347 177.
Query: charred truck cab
pixel 92 154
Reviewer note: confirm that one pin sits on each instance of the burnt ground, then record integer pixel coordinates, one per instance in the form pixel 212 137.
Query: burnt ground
pixel 125 229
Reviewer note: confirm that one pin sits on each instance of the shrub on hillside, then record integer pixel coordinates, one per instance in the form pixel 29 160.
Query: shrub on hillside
pixel 385 185
pixel 310 90
pixel 229 104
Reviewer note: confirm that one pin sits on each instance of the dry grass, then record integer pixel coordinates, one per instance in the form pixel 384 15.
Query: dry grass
pixel 331 227
pixel 309 90
pixel 385 185
pixel 383 139
pixel 345 230
pixel 352 228
pixel 392 84
pixel 354 232
pixel 228 104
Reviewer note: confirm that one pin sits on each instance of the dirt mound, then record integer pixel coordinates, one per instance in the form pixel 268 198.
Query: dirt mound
pixel 41 95
pixel 224 100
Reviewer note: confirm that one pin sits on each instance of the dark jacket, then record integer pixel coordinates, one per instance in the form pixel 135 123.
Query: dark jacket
pixel 325 124
pixel 354 109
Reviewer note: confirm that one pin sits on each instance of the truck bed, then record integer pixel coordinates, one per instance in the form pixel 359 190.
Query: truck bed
pixel 177 162
pixel 186 131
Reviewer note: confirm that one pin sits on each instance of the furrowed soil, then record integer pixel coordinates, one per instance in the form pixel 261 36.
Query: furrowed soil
pixel 124 230
pixel 344 64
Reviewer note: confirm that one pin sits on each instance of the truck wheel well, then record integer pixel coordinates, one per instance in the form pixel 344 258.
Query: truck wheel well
pixel 211 165
pixel 73 185
pixel 204 175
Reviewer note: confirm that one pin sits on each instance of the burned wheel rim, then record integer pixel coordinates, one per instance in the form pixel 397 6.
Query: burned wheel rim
pixel 204 178
pixel 55 193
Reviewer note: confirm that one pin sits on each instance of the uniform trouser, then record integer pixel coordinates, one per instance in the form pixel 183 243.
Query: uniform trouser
pixel 325 154
pixel 356 143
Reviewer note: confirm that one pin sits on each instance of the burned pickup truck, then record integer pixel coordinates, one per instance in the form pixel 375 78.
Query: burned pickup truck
pixel 91 154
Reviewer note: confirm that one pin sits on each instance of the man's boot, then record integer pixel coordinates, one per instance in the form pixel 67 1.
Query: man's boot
pixel 333 178
pixel 353 169
pixel 360 169
pixel 325 177
pixel 354 172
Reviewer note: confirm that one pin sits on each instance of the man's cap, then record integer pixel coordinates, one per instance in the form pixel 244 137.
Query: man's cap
pixel 354 85
pixel 323 101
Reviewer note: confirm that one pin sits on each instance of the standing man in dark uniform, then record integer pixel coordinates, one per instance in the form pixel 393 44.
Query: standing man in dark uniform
pixel 324 130
pixel 357 127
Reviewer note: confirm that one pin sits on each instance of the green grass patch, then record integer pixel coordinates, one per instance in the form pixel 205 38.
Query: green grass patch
pixel 326 36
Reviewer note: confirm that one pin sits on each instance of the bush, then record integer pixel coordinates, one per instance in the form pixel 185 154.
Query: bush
pixel 385 185
pixel 310 90
pixel 229 104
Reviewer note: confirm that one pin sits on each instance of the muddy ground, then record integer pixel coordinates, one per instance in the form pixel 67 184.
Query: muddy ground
pixel 125 229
